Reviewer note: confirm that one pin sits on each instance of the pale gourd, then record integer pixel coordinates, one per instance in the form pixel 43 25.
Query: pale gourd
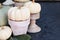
pixel 21 0
pixel 34 7
pixel 5 32
pixel 16 13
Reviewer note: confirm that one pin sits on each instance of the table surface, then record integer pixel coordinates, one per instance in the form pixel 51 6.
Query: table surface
pixel 49 22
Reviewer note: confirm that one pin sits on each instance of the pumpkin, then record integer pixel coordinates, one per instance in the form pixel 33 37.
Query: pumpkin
pixel 21 0
pixel 5 32
pixel 34 7
pixel 3 15
pixel 19 19
pixel 16 13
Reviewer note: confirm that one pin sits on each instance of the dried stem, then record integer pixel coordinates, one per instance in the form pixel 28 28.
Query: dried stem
pixel 33 1
pixel 19 7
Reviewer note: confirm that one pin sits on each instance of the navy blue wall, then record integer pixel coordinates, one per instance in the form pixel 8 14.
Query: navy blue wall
pixel 49 22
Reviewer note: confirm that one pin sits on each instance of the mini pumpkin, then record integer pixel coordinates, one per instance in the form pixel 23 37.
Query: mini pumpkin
pixel 34 7
pixel 5 32
pixel 16 13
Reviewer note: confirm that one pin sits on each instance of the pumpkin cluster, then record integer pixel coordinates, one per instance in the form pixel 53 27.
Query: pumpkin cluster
pixel 18 17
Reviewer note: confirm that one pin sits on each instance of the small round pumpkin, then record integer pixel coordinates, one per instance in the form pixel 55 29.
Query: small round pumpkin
pixel 34 7
pixel 16 13
pixel 5 32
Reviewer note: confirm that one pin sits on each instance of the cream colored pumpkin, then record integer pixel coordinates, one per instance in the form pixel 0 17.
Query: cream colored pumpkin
pixel 22 0
pixel 34 7
pixel 5 32
pixel 16 13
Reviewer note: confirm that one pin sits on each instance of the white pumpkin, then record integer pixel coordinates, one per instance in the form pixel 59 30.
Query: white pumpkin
pixel 5 32
pixel 34 7
pixel 22 0
pixel 16 13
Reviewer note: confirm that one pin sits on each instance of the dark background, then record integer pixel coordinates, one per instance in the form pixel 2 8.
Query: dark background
pixel 49 22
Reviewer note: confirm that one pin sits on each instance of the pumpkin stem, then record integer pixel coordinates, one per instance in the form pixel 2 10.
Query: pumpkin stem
pixel 33 1
pixel 19 7
pixel 2 27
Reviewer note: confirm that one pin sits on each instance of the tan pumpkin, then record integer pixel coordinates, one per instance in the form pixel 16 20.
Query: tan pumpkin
pixel 34 7
pixel 5 32
pixel 16 13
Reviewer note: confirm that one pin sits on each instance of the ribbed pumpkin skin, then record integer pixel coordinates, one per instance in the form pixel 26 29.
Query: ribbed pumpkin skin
pixel 5 32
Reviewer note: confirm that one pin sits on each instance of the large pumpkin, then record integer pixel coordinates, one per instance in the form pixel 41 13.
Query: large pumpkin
pixel 19 19
pixel 16 13
pixel 34 7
